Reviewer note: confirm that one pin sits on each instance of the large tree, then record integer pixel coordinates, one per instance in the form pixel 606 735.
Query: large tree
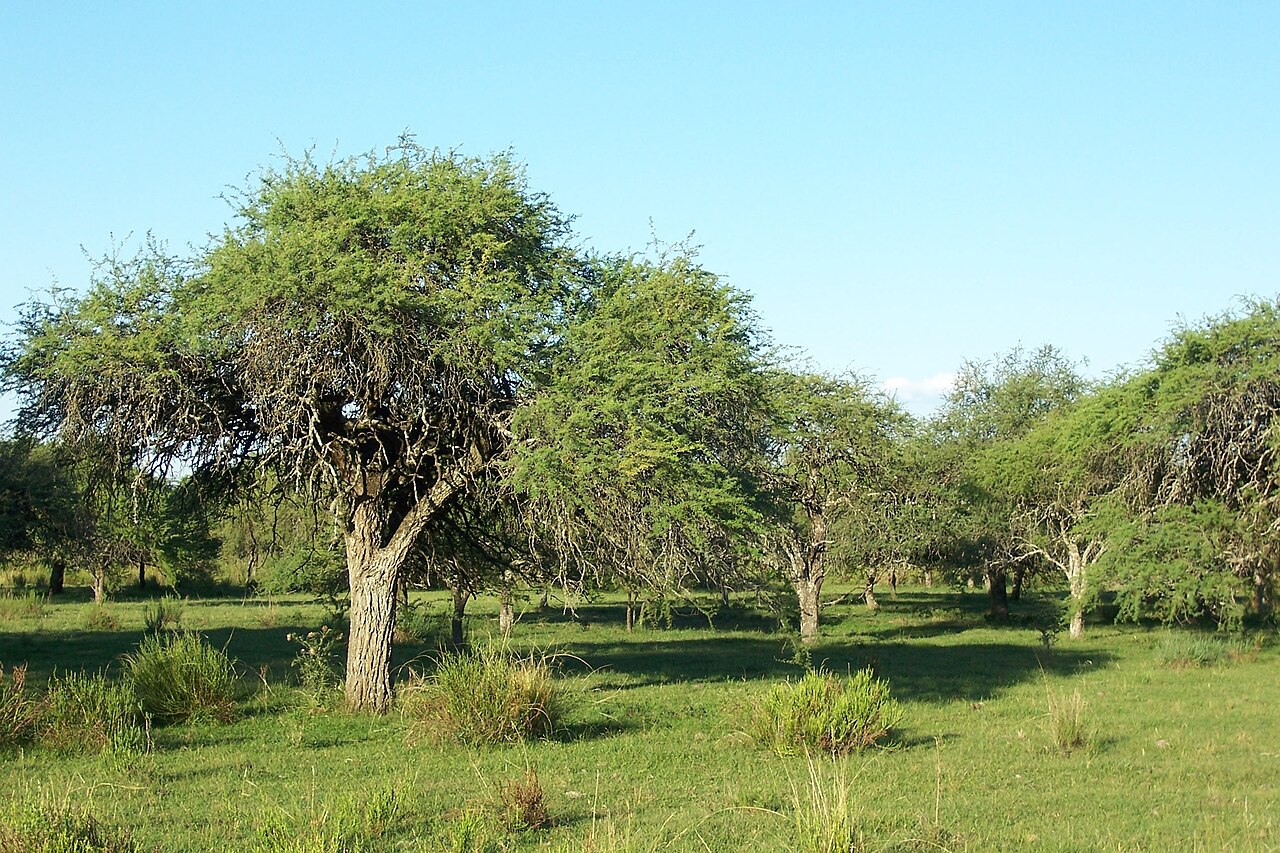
pixel 364 329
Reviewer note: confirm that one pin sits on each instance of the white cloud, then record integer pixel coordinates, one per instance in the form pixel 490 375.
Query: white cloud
pixel 920 396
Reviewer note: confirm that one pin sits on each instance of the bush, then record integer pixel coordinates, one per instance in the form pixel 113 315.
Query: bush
pixel 179 676
pixel 99 617
pixel 88 712
pixel 488 696
pixel 822 712
pixel 18 711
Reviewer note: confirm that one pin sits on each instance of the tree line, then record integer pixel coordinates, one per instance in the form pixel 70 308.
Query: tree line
pixel 400 367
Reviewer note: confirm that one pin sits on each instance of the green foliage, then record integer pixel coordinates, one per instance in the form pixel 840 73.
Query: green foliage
pixel 90 713
pixel 18 711
pixel 487 696
pixel 59 828
pixel 180 676
pixel 825 713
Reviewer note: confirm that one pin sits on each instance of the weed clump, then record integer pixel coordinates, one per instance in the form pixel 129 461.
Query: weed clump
pixel 825 713
pixel 44 828
pixel 318 673
pixel 179 676
pixel 488 696
pixel 1182 650
pixel 165 613
pixel 1067 727
pixel 89 713
pixel 18 711
pixel 522 802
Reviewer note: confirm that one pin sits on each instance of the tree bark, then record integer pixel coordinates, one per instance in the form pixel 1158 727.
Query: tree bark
pixel 631 611
pixel 506 614
pixel 99 581
pixel 928 577
pixel 57 575
pixel 997 593
pixel 808 592
pixel 142 573
pixel 869 592
pixel 1076 578
pixel 1018 575
pixel 457 630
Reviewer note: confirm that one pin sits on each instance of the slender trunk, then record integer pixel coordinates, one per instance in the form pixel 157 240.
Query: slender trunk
pixel 928 577
pixel 631 611
pixel 457 633
pixel 893 580
pixel 724 596
pixel 1075 578
pixel 1018 575
pixel 506 614
pixel 100 583
pixel 543 599
pixel 808 591
pixel 57 575
pixel 869 592
pixel 142 573
pixel 1261 592
pixel 998 593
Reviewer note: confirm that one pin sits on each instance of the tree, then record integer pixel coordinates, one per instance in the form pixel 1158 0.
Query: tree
pixel 1202 461
pixel 637 460
pixel 364 330
pixel 832 447
pixel 38 504
pixel 994 403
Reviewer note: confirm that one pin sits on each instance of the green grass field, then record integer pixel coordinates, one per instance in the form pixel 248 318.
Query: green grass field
pixel 654 753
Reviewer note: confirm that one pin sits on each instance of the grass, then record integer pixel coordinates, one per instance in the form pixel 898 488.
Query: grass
pixel 651 753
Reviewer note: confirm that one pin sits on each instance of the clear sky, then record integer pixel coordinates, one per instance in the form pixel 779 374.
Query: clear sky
pixel 901 186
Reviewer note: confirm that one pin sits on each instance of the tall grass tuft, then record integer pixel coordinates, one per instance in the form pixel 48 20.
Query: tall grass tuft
pixel 18 711
pixel 52 828
pixel 90 713
pixel 350 826
pixel 22 604
pixel 488 696
pixel 179 676
pixel 1188 650
pixel 823 712
pixel 163 613
pixel 522 802
pixel 1067 726
pixel 823 814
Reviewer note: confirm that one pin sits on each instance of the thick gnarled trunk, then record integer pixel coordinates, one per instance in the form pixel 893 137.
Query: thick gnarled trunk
pixel 997 593
pixel 808 592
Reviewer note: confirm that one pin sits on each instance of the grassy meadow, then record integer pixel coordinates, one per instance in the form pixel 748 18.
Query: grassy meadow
pixel 1012 737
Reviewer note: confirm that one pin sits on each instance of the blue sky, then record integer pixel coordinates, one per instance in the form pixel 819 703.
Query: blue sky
pixel 901 186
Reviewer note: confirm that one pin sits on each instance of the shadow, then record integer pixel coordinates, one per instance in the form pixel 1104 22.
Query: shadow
pixel 916 671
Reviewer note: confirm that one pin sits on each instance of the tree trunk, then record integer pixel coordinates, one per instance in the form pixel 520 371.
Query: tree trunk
pixel 372 572
pixel 142 573
pixel 57 575
pixel 928 577
pixel 1076 578
pixel 457 631
pixel 100 583
pixel 1018 575
pixel 998 594
pixel 506 614
pixel 869 592
pixel 1261 593
pixel 543 599
pixel 807 591
pixel 631 611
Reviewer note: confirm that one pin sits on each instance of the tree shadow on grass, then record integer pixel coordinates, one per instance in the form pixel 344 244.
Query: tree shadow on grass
pixel 915 670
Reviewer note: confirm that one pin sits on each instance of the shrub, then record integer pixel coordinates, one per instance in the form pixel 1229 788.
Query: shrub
pixel 33 828
pixel 163 613
pixel 99 617
pixel 88 712
pixel 179 676
pixel 825 713
pixel 1066 722
pixel 18 711
pixel 489 696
